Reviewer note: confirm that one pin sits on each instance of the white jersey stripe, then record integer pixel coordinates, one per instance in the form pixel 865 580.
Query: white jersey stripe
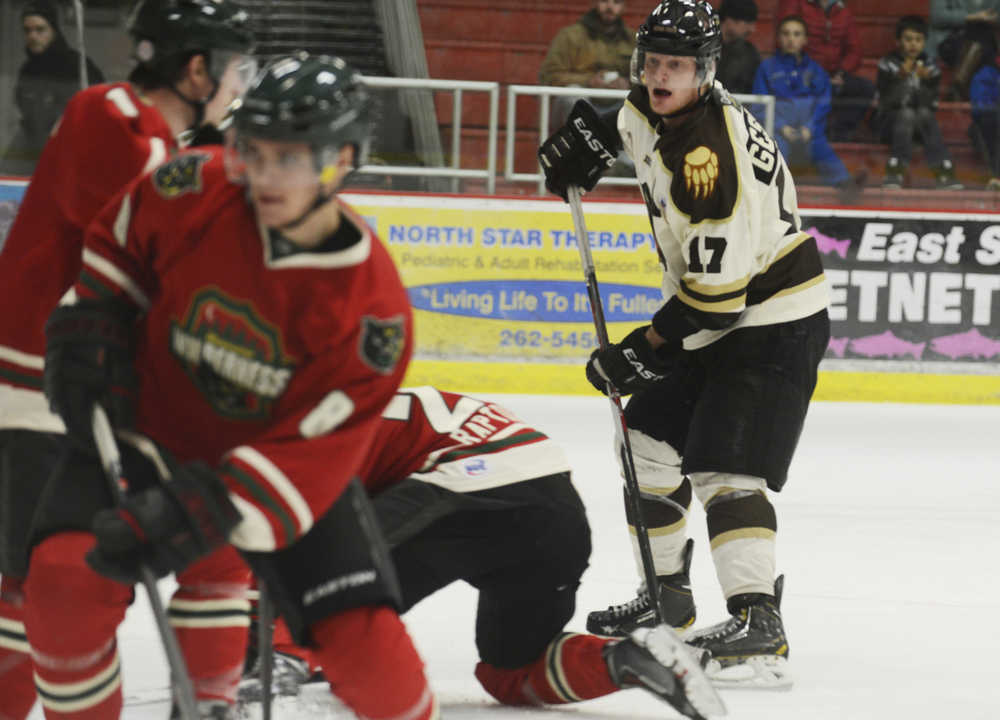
pixel 280 482
pixel 16 357
pixel 119 278
pixel 254 533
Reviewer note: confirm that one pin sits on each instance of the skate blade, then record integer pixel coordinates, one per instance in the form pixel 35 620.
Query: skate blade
pixel 759 672
pixel 665 643
pixel 314 702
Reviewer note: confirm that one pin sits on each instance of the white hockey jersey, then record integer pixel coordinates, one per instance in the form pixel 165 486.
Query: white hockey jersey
pixel 724 213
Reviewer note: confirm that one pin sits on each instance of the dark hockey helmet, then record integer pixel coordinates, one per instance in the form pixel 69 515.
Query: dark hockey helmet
pixel 315 99
pixel 167 32
pixel 688 28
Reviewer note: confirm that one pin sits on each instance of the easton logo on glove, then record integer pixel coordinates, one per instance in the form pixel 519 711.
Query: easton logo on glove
pixel 640 368
pixel 592 142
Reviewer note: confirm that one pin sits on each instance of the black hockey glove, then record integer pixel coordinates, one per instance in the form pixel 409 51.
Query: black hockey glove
pixel 88 359
pixel 579 152
pixel 630 365
pixel 166 527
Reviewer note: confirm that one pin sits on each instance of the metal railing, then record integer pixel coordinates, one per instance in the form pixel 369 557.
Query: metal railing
pixel 456 87
pixel 547 92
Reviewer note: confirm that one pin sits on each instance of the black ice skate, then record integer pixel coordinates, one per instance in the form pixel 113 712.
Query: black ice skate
pixel 288 675
pixel 658 661
pixel 750 648
pixel 676 602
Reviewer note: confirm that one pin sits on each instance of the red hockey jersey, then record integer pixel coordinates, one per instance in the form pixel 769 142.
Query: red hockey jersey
pixel 275 365
pixel 456 442
pixel 107 136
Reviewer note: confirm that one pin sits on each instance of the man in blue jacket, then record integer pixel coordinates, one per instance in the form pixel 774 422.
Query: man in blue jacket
pixel 802 92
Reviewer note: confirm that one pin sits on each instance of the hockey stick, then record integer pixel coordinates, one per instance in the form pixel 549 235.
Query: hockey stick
pixel 265 647
pixel 617 412
pixel 111 460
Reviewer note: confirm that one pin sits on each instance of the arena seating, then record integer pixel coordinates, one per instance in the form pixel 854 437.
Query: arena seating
pixel 506 40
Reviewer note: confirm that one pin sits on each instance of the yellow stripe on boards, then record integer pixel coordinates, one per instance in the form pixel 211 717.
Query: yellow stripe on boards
pixel 568 379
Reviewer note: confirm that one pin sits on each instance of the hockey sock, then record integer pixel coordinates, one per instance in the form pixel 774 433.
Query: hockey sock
pixel 210 612
pixel 742 527
pixel 71 614
pixel 666 525
pixel 372 666
pixel 571 669
pixel 18 694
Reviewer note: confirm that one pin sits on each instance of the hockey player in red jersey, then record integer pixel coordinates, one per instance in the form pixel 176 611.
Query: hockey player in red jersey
pixel 192 62
pixel 268 328
pixel 464 490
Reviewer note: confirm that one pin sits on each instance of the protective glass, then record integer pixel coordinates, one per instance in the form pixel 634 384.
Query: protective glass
pixel 234 72
pixel 277 165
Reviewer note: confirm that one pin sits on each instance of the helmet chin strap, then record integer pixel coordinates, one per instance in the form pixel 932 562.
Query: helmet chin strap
pixel 322 198
pixel 198 106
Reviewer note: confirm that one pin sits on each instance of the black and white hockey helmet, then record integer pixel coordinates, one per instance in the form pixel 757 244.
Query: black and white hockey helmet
pixel 316 99
pixel 686 28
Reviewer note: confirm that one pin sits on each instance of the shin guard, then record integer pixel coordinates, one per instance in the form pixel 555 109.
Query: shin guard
pixel 74 653
pixel 372 666
pixel 571 669
pixel 18 694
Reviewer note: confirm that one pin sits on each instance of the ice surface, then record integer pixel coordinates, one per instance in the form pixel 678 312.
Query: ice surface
pixel 889 535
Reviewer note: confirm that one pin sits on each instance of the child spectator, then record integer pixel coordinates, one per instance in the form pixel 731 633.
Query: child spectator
pixel 908 90
pixel 984 94
pixel 802 102
pixel 834 43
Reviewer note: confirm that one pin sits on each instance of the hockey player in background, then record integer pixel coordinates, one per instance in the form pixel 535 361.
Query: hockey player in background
pixel 192 61
pixel 722 376
pixel 269 328
pixel 464 490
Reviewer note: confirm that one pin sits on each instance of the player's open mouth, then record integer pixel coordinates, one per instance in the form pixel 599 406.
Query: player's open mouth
pixel 662 92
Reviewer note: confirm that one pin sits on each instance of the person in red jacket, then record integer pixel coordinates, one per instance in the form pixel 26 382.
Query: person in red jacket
pixel 833 43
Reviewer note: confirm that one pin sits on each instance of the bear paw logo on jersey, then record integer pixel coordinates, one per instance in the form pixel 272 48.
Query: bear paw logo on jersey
pixel 231 354
pixel 701 170
pixel 382 342
pixel 180 175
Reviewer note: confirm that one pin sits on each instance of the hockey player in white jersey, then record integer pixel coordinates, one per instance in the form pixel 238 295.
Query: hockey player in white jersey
pixel 721 377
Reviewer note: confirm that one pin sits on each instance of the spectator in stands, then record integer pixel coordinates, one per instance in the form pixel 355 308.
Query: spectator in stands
pixel 802 102
pixel 740 59
pixel 962 36
pixel 984 94
pixel 908 95
pixel 833 43
pixel 46 81
pixel 594 52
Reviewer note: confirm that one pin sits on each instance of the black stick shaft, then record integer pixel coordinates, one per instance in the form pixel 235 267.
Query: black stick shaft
pixel 618 413
pixel 111 460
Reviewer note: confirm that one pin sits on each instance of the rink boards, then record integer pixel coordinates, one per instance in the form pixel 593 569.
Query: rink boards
pixel 500 304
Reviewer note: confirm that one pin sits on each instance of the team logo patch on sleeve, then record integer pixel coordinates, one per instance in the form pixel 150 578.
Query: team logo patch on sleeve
pixel 180 175
pixel 382 342
pixel 701 170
